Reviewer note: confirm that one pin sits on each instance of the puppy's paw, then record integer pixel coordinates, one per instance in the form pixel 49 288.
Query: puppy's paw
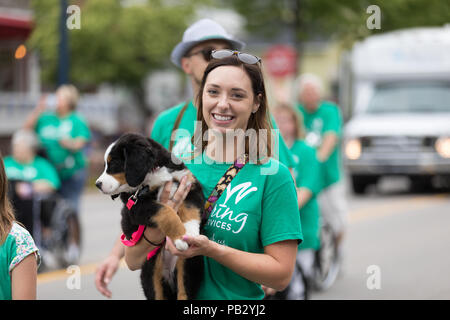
pixel 181 245
pixel 192 228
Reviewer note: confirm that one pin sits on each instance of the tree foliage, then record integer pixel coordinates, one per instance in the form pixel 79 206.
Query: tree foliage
pixel 116 44
pixel 344 19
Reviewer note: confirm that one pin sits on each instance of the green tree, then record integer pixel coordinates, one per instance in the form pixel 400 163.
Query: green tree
pixel 115 44
pixel 343 19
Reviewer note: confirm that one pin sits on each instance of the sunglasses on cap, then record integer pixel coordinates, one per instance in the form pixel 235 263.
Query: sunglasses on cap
pixel 209 53
pixel 243 57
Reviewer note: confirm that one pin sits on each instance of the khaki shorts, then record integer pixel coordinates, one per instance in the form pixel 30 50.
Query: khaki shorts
pixel 333 206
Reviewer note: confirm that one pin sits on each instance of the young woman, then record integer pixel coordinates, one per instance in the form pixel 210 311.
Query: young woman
pixel 252 233
pixel 18 254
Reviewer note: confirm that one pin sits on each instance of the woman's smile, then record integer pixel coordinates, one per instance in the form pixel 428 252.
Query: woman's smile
pixel 222 118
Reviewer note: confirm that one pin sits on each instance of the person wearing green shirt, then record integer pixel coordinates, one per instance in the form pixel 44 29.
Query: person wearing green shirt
pixel 24 165
pixel 63 134
pixel 19 256
pixel 191 55
pixel 29 174
pixel 323 123
pixel 252 233
pixel 307 174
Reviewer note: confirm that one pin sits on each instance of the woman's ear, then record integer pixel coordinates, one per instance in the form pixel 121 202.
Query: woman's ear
pixel 257 103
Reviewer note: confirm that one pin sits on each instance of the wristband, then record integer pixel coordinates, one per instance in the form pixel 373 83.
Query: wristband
pixel 153 244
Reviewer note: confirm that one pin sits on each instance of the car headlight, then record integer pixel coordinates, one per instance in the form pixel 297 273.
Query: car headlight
pixel 442 146
pixel 353 149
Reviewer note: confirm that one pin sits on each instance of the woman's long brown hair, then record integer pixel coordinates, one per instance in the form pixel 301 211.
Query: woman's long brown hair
pixel 6 211
pixel 258 121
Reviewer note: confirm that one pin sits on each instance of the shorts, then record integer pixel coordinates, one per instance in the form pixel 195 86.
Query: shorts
pixel 333 206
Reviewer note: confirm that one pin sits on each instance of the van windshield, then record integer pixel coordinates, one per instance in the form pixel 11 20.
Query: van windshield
pixel 410 98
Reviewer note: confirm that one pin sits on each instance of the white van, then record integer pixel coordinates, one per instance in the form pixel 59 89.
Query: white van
pixel 400 123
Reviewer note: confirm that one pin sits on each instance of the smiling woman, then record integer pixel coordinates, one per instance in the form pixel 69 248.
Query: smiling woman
pixel 253 229
pixel 232 99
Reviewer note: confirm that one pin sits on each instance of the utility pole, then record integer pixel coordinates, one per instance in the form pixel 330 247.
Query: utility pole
pixel 63 48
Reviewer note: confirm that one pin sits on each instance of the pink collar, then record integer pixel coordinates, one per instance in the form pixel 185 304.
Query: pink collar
pixel 137 235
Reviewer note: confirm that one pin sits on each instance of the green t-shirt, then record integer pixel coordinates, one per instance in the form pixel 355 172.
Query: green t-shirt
pixel 307 175
pixel 50 129
pixel 255 210
pixel 164 123
pixel 18 245
pixel 326 119
pixel 38 169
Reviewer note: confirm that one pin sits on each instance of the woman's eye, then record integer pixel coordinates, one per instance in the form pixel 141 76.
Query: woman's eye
pixel 237 96
pixel 212 91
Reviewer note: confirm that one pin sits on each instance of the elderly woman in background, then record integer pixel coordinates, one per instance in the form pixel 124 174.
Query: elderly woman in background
pixel 24 165
pixel 63 134
pixel 29 175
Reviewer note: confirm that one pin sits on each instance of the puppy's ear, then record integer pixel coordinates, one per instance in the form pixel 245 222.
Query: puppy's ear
pixel 137 163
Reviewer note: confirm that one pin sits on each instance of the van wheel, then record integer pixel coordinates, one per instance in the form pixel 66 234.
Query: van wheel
pixel 360 184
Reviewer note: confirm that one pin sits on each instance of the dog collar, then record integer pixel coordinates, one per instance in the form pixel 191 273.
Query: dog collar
pixel 137 235
pixel 134 197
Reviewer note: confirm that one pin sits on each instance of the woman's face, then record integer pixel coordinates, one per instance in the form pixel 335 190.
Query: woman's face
pixel 62 105
pixel 286 124
pixel 22 152
pixel 228 99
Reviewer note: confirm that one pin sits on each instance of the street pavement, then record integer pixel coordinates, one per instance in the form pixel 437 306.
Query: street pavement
pixel 396 247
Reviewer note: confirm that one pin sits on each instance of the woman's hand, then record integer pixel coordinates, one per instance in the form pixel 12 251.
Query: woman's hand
pixel 73 144
pixel 32 118
pixel 178 197
pixel 198 245
pixel 104 273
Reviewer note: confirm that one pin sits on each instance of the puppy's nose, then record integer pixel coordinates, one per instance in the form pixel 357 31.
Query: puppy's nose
pixel 98 184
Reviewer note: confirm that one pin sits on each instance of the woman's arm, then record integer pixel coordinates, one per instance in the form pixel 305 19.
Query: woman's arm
pixel 273 268
pixel 24 278
pixel 329 142
pixel 74 144
pixel 135 256
pixel 303 196
pixel 32 118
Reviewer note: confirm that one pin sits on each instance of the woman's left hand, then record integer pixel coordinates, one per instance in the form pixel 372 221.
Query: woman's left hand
pixel 198 245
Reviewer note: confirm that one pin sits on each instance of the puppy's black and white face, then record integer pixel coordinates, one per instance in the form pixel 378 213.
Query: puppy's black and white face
pixel 127 162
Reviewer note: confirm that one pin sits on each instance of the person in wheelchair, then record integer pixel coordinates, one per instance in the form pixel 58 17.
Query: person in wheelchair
pixel 29 174
pixel 34 183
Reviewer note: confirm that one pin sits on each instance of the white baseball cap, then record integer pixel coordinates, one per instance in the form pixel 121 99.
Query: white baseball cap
pixel 202 30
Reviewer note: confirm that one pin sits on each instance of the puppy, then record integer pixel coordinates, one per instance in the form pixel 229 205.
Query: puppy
pixel 136 169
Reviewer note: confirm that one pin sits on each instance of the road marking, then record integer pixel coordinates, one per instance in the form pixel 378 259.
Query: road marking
pixel 395 207
pixel 357 215
pixel 62 274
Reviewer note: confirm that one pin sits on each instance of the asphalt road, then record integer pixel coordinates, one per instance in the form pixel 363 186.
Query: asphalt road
pixel 396 247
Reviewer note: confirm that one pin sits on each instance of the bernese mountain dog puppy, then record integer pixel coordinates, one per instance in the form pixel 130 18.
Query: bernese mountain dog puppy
pixel 136 169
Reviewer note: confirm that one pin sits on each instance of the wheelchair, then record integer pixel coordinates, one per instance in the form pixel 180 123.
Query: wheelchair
pixel 47 217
